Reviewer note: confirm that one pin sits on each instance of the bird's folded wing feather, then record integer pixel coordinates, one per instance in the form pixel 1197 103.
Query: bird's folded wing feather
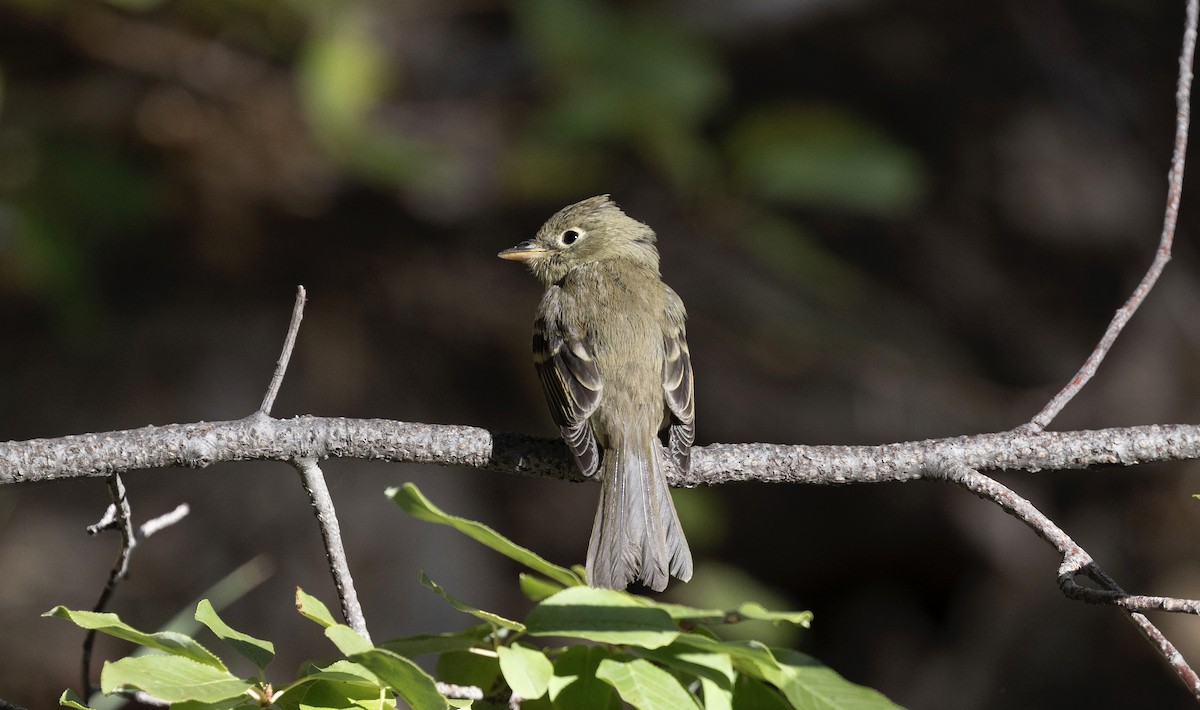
pixel 677 383
pixel 572 385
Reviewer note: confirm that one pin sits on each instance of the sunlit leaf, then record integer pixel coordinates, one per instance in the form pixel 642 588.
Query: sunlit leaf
pixel 756 612
pixel 258 651
pixel 347 639
pixel 69 699
pixel 167 641
pixel 809 684
pixel 172 678
pixel 644 685
pixel 604 616
pixel 413 502
pixel 473 611
pixel 537 588
pixel 526 669
pixel 312 608
pixel 405 677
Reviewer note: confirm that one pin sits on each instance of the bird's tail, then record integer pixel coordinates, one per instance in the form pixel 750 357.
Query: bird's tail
pixel 637 534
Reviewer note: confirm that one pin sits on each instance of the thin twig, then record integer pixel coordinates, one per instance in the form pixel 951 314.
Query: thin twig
pixel 106 522
pixel 118 515
pixel 1077 561
pixel 165 520
pixel 1111 592
pixel 460 692
pixel 331 534
pixel 289 343
pixel 1183 93
pixel 1167 650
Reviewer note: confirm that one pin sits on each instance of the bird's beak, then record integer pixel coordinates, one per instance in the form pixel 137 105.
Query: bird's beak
pixel 525 251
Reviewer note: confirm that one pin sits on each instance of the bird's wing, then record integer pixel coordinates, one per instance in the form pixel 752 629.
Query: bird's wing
pixel 572 385
pixel 677 383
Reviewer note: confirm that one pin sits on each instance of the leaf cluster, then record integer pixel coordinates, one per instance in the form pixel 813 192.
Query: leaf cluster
pixel 596 648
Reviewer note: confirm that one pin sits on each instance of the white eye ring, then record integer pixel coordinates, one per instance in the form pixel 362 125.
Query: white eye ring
pixel 570 236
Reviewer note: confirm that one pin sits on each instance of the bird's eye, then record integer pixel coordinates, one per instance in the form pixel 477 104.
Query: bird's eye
pixel 571 236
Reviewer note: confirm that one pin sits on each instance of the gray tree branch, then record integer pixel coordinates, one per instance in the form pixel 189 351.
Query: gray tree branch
pixel 260 437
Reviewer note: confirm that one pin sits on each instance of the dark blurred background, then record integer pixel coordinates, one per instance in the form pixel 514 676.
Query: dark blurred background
pixel 889 221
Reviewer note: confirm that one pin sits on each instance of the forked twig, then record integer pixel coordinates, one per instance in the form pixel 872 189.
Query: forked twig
pixel 1077 561
pixel 314 483
pixel 119 515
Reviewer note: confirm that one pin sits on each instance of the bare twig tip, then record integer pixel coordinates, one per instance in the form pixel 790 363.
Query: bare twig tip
pixel 289 343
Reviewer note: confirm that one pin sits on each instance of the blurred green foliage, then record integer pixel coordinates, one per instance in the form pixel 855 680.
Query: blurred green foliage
pixel 344 78
pixel 88 196
pixel 817 155
pixel 588 88
pixel 621 77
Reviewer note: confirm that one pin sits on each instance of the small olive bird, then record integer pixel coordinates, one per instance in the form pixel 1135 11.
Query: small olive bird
pixel 609 348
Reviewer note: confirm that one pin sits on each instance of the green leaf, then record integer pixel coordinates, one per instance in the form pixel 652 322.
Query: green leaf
pixel 330 693
pixel 347 639
pixel 226 704
pixel 752 611
pixel 413 502
pixel 604 616
pixel 183 625
pixel 714 696
pixel 342 670
pixel 679 612
pixel 575 685
pixel 754 694
pixel 258 651
pixel 403 676
pixel 806 683
pixel 415 646
pixel 480 669
pixel 312 608
pixel 221 594
pixel 526 669
pixel 332 686
pixel 715 667
pixel 172 679
pixel 644 685
pixel 69 699
pixel 168 641
pixel 473 611
pixel 748 656
pixel 537 588
pixel 756 612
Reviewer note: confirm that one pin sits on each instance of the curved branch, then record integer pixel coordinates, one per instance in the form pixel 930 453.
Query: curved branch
pixel 1183 112
pixel 1077 561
